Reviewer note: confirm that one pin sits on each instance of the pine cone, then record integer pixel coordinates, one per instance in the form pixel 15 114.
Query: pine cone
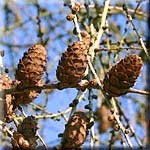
pixel 19 143
pixel 104 123
pixel 123 75
pixel 75 131
pixel 32 66
pixel 6 110
pixel 29 73
pixel 28 127
pixel 73 64
pixel 25 138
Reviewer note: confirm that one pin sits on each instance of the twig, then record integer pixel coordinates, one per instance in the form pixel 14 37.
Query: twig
pixel 5 129
pixel 45 116
pixel 118 49
pixel 130 126
pixel 78 98
pixel 94 73
pixel 42 141
pixel 22 111
pixel 129 17
pixel 118 10
pixel 104 15
pixel 64 117
pixel 40 33
pixel 90 107
pixel 119 122
pixel 131 90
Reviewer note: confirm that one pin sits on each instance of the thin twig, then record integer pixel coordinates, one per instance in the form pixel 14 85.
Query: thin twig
pixel 119 122
pixel 118 10
pixel 5 129
pixel 132 90
pixel 90 107
pixel 42 141
pixel 129 17
pixel 79 97
pixel 75 20
pixel 130 126
pixel 118 49
pixel 46 116
pixel 104 15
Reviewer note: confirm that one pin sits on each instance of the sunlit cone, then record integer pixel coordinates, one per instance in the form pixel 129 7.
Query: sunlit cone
pixel 32 66
pixel 75 131
pixel 19 142
pixel 6 102
pixel 123 75
pixel 25 137
pixel 29 73
pixel 73 63
pixel 102 116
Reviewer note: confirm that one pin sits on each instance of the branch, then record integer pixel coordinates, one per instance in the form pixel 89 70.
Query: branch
pixel 129 17
pixel 46 116
pixel 5 129
pixel 104 15
pixel 117 118
pixel 95 84
pixel 118 49
pixel 131 90
pixel 118 10
pixel 130 126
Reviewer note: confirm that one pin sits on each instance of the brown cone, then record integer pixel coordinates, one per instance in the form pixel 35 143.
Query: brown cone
pixel 104 123
pixel 19 142
pixel 25 137
pixel 75 131
pixel 73 63
pixel 29 73
pixel 32 66
pixel 6 83
pixel 123 75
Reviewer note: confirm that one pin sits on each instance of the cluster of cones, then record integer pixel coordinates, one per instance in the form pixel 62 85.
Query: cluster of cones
pixel 72 68
pixel 29 73
pixel 117 81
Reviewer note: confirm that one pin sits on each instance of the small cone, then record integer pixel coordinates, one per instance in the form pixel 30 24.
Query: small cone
pixel 75 131
pixel 19 143
pixel 25 138
pixel 104 123
pixel 29 73
pixel 6 101
pixel 73 64
pixel 28 127
pixel 32 66
pixel 123 75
